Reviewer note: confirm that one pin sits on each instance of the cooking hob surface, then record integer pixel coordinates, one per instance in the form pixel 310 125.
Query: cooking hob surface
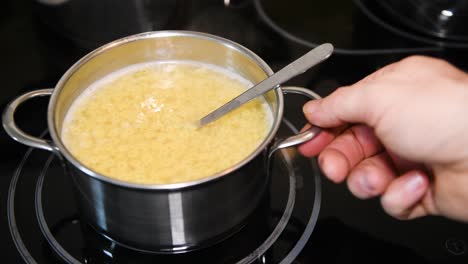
pixel 46 227
pixel 36 53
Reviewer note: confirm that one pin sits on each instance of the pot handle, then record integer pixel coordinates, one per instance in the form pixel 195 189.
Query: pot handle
pixel 8 120
pixel 302 137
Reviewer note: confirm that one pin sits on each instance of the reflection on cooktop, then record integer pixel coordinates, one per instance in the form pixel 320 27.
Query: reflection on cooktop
pixel 278 229
pixel 348 230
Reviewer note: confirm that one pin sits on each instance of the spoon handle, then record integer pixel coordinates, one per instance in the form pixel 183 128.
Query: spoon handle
pixel 293 69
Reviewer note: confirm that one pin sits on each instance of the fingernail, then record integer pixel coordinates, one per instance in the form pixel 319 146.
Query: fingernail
pixel 330 167
pixel 365 184
pixel 309 107
pixel 414 184
pixel 322 165
pixel 325 167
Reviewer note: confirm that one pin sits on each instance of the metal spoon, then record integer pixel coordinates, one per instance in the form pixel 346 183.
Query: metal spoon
pixel 295 68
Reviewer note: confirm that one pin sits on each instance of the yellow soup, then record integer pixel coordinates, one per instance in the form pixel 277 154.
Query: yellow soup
pixel 138 124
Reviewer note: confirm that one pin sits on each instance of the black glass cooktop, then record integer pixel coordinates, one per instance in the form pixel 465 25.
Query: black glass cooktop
pixel 41 39
pixel 46 227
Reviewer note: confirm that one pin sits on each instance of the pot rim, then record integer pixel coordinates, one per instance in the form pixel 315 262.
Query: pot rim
pixel 148 35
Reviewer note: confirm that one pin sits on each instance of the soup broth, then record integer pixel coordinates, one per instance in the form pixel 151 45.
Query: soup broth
pixel 138 124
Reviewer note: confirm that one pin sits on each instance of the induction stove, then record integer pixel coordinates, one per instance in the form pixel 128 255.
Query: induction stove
pixel 304 218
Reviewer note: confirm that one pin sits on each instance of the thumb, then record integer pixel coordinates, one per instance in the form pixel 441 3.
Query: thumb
pixel 347 104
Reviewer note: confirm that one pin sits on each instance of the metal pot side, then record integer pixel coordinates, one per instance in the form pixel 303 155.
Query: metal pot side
pixel 174 217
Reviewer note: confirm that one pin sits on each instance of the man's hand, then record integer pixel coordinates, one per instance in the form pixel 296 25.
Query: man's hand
pixel 401 133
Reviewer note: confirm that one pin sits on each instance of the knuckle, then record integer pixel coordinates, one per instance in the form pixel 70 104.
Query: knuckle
pixel 380 74
pixel 423 63
pixel 339 95
pixel 387 70
pixel 414 60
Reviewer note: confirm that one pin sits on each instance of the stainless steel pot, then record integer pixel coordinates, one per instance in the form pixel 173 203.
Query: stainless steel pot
pixel 173 217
